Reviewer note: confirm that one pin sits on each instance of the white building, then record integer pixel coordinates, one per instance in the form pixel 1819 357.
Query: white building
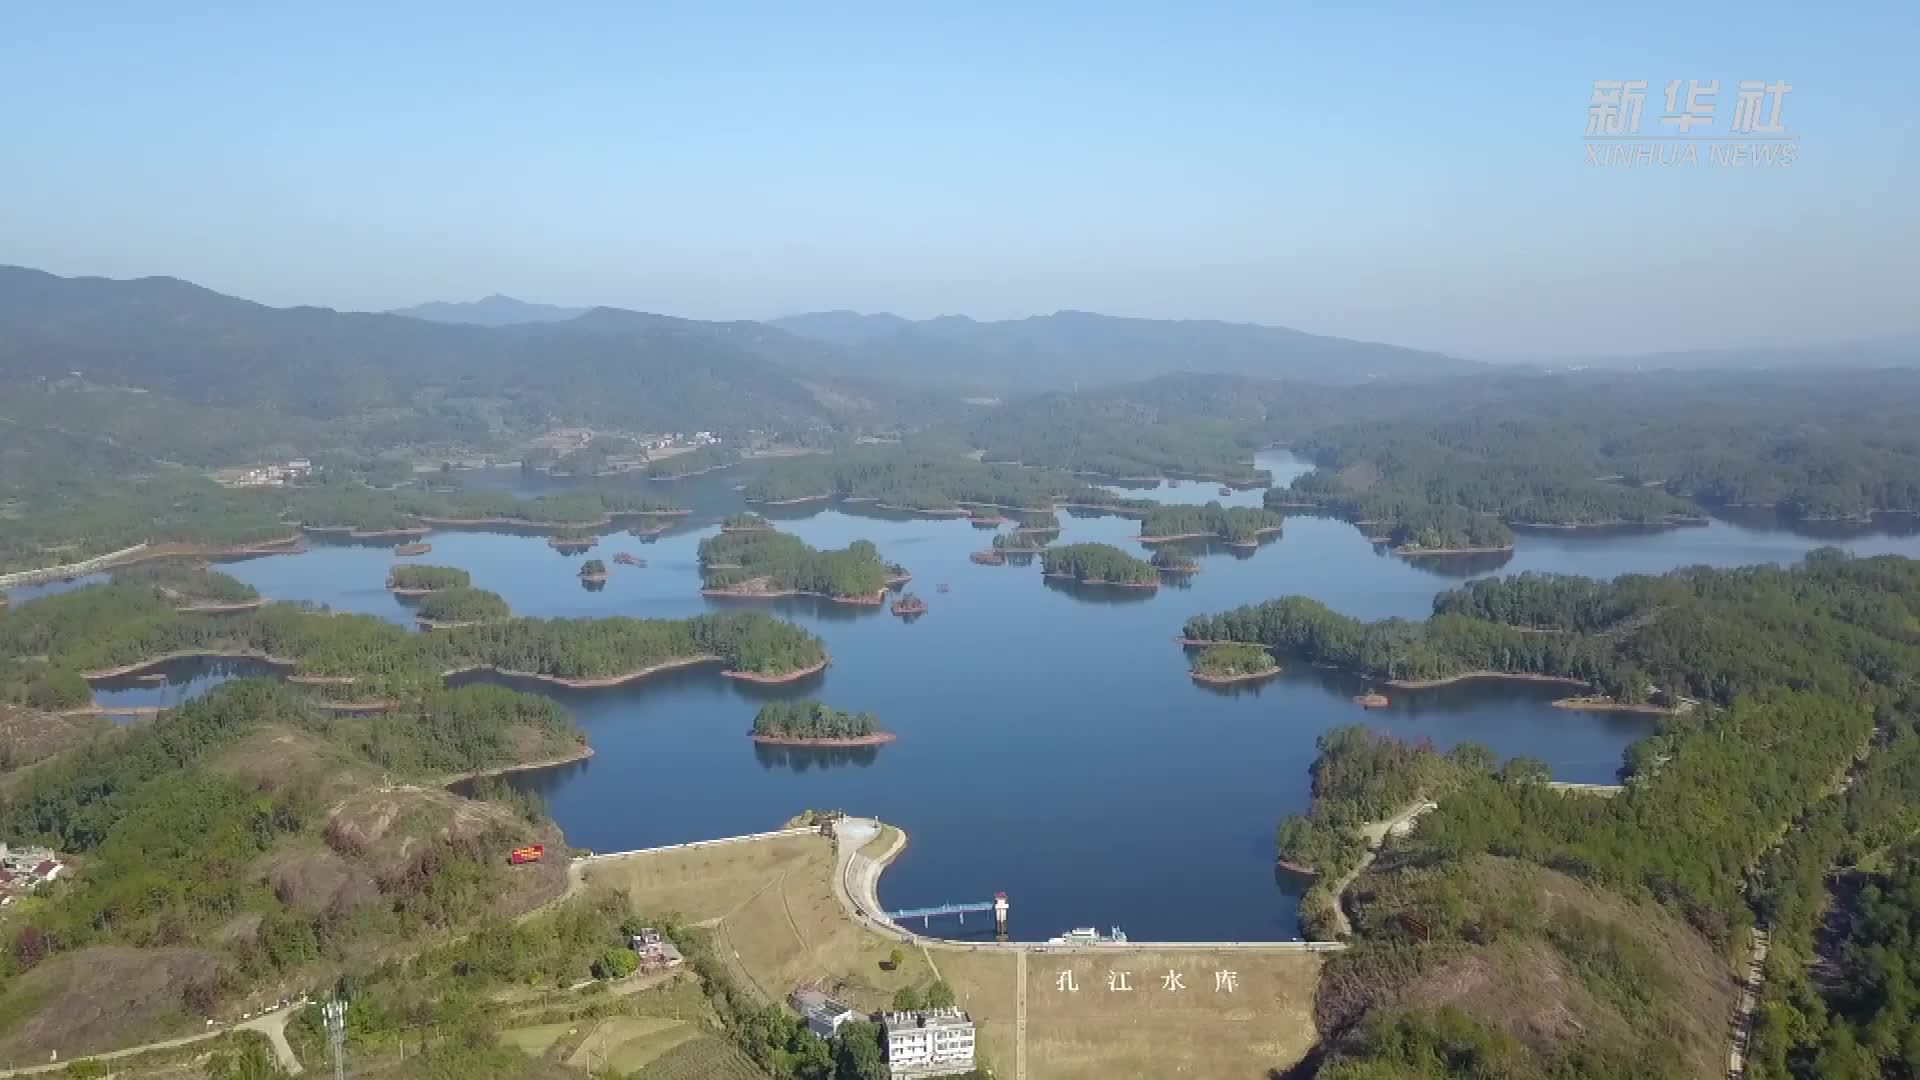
pixel 823 1014
pixel 928 1042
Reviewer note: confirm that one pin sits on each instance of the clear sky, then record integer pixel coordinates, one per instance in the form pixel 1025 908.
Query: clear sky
pixel 1415 175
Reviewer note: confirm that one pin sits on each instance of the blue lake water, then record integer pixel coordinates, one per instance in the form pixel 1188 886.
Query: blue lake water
pixel 1051 744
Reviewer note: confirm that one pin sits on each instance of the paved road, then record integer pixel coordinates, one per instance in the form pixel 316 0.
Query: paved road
pixel 1020 1017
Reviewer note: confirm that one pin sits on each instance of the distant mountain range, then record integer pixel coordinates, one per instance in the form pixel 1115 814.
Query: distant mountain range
pixel 495 310
pixel 612 368
pixel 1078 348
pixel 1899 351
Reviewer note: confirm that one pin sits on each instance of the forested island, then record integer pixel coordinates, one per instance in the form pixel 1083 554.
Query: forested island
pixel 1222 664
pixel 1172 560
pixel 119 628
pixel 461 606
pixel 811 723
pixel 744 523
pixel 593 570
pixel 1021 541
pixel 1098 564
pixel 1237 526
pixel 419 579
pixel 765 563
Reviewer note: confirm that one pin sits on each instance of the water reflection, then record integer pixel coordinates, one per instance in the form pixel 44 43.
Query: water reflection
pixel 800 759
pixel 1098 594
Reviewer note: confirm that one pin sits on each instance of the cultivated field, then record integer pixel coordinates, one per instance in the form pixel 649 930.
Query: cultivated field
pixel 779 925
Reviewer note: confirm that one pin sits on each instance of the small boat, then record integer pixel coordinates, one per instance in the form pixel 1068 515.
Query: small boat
pixel 625 558
pixel 413 549
pixel 1087 935
pixel 943 587
pixel 1371 700
pixel 1226 490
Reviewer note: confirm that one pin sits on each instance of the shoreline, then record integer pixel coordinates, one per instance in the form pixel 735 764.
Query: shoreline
pixel 878 738
pixel 139 553
pixel 1103 581
pixel 582 754
pixel 586 683
pixel 863 600
pixel 1603 704
pixel 223 609
pixel 354 532
pixel 1229 680
pixel 185 654
pixel 774 680
pixel 1176 537
pixel 1514 676
pixel 788 502
pixel 1417 552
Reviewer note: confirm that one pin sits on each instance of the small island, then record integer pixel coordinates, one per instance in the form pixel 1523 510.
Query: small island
pixel 626 558
pixel 985 517
pixel 593 570
pixel 419 580
pixel 1222 664
pixel 1099 564
pixel 1174 561
pixel 412 549
pixel 812 723
pixel 763 564
pixel 571 543
pixel 1038 521
pixel 1238 526
pixel 748 522
pixel 463 605
pixel 909 605
pixel 989 558
pixel 1019 542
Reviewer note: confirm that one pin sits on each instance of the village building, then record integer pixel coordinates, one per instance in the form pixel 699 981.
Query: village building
pixel 928 1043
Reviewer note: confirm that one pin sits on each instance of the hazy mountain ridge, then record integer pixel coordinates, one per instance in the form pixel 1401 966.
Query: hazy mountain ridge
pixel 496 310
pixel 1075 348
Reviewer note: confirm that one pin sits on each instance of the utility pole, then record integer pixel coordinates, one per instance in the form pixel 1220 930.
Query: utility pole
pixel 335 1012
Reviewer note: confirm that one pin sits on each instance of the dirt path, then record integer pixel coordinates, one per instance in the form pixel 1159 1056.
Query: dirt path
pixel 273 1025
pixel 1374 833
pixel 1020 1016
pixel 1749 998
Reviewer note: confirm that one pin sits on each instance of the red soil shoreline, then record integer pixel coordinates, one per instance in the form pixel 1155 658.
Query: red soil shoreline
pixel 582 754
pixel 1516 676
pixel 1417 552
pixel 878 738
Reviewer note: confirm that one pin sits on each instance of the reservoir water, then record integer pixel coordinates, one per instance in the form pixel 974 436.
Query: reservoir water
pixel 1051 744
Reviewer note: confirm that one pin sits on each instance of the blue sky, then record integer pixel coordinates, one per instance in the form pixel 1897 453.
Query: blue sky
pixel 1411 174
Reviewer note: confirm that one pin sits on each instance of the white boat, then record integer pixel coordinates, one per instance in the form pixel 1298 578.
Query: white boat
pixel 1087 935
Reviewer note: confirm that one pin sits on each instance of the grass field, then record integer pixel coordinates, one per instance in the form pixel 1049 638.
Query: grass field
pixel 704 1058
pixel 780 926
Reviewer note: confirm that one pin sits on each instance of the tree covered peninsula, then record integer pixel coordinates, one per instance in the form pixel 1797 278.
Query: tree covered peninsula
pixel 110 628
pixel 1785 795
pixel 762 562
